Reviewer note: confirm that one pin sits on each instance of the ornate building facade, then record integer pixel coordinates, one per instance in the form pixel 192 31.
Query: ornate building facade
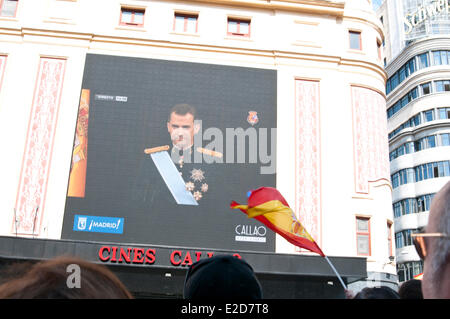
pixel 332 162
pixel 418 89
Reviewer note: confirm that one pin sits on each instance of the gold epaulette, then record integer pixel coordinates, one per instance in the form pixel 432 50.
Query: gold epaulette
pixel 209 152
pixel 156 149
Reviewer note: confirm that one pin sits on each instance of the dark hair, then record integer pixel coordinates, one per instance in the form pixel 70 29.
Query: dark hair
pixel 182 109
pixel 411 289
pixel 221 277
pixel 49 280
pixel 377 293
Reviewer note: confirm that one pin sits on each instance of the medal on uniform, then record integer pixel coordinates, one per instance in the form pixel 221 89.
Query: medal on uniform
pixel 197 175
pixel 252 118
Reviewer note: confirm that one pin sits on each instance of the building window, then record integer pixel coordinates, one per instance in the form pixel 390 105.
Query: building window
pixel 363 236
pixel 433 170
pixel 355 40
pixel 444 113
pixel 416 119
pixel 424 60
pixel 8 8
pixel 411 65
pixel 403 238
pixel 404 176
pixel 409 177
pixel 397 209
pixel 418 145
pixel 238 27
pixel 426 88
pixel 379 49
pixel 394 80
pixel 402 74
pixel 398 240
pixel 395 180
pixel 132 17
pixel 409 147
pixel 441 57
pixel 393 155
pixel 408 270
pixel 407 98
pixel 442 86
pixel 420 172
pixel 431 141
pixel 407 69
pixel 406 148
pixel 389 238
pixel 424 202
pixel 429 115
pixel 185 23
pixel 445 139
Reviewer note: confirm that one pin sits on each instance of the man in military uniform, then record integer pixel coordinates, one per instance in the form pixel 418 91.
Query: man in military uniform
pixel 196 165
pixel 182 127
pixel 191 162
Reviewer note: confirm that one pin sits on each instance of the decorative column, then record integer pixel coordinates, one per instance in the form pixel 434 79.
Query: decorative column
pixel 31 194
pixel 370 138
pixel 308 195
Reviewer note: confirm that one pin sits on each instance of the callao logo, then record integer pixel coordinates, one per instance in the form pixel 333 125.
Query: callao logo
pixel 250 233
pixel 249 230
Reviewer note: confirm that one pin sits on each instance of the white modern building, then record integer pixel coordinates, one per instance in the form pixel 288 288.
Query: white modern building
pixel 332 146
pixel 417 49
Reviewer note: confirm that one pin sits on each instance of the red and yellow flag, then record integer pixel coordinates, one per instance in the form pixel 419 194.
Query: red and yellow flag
pixel 268 206
pixel 77 177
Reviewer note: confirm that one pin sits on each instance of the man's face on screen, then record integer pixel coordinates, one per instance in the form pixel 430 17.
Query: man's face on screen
pixel 181 129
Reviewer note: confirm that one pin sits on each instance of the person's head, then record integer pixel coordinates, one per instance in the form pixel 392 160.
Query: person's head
pixel 377 293
pixel 411 289
pixel 434 247
pixel 54 279
pixel 221 277
pixel 181 125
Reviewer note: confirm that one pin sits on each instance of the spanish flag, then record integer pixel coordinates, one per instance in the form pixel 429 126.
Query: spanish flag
pixel 268 206
pixel 77 177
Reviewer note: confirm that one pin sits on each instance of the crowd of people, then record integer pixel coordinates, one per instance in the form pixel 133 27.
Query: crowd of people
pixel 227 277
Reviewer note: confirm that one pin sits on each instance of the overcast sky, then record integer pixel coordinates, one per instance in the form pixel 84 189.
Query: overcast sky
pixel 376 4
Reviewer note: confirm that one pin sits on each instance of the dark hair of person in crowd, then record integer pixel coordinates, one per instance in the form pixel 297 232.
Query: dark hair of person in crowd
pixel 377 293
pixel 50 279
pixel 221 277
pixel 411 289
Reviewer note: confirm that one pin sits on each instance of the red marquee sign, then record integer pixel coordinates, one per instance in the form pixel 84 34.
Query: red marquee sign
pixel 134 255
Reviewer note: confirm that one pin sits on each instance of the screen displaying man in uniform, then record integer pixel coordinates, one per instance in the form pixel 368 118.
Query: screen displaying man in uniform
pixel 182 127
pixel 170 145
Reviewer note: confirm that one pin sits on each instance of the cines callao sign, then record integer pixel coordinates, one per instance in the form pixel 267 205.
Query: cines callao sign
pixel 149 256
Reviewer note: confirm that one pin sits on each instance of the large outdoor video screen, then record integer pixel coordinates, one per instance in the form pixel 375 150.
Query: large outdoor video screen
pixel 161 148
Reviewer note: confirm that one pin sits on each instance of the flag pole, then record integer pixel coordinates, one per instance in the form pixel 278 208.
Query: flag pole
pixel 335 271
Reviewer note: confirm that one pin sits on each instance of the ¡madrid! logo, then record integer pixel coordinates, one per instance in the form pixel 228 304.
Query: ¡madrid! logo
pixel 82 221
pixel 98 224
